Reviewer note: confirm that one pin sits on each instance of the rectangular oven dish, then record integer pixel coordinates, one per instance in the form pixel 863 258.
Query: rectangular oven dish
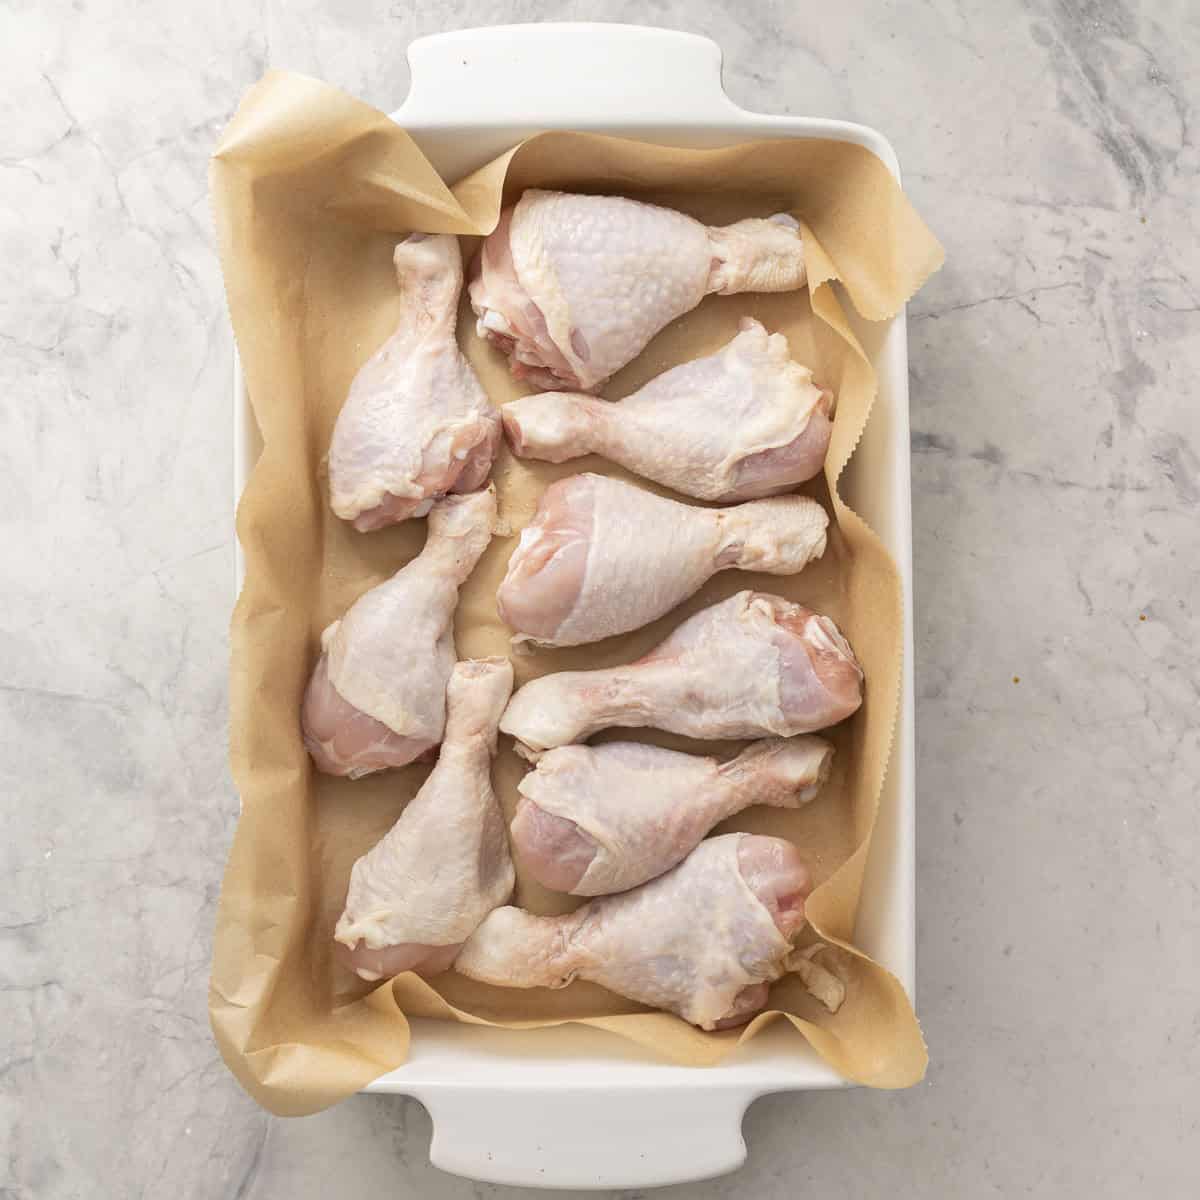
pixel 572 1107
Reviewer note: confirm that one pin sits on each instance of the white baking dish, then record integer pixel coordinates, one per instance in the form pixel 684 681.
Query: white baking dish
pixel 572 1107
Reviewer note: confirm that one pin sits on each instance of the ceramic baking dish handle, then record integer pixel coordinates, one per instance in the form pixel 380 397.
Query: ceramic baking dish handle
pixel 572 75
pixel 592 1137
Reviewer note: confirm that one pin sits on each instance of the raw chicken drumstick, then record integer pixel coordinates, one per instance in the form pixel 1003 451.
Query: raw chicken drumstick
pixel 417 424
pixel 751 666
pixel 595 820
pixel 377 697
pixel 601 819
pixel 601 557
pixel 444 865
pixel 742 423
pixel 573 287
pixel 705 940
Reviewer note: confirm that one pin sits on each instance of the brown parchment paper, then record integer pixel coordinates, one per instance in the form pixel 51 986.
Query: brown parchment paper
pixel 311 189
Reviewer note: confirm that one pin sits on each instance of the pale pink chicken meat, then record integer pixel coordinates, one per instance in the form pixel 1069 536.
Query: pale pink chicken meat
pixel 599 819
pixel 752 666
pixel 704 941
pixel 344 740
pixel 602 557
pixel 573 287
pixel 416 424
pixel 424 887
pixel 377 696
pixel 742 423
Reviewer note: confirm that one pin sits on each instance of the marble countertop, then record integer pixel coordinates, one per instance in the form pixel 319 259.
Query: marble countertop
pixel 1056 491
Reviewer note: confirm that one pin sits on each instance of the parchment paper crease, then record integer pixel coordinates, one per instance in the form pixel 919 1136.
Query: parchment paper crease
pixel 311 190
